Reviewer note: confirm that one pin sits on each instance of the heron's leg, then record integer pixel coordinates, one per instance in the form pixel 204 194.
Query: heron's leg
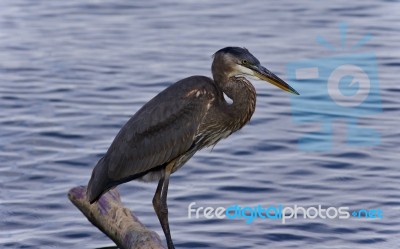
pixel 160 204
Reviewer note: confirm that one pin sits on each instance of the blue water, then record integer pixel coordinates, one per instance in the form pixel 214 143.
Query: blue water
pixel 73 72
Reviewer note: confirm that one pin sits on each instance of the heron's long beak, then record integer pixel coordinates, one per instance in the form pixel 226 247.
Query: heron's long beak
pixel 264 74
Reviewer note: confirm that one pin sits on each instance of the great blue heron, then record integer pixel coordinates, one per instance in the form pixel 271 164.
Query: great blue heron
pixel 184 118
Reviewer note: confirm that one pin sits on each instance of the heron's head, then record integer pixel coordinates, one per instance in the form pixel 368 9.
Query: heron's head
pixel 236 61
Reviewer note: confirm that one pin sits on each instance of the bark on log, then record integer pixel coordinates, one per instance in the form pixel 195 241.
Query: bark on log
pixel 116 221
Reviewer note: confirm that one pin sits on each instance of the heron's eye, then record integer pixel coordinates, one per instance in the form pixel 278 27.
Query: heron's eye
pixel 245 62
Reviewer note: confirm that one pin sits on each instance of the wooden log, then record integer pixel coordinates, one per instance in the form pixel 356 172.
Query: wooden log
pixel 116 221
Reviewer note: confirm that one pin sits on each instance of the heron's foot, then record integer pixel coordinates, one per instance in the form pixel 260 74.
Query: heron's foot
pixel 171 246
pixel 161 207
pixel 162 214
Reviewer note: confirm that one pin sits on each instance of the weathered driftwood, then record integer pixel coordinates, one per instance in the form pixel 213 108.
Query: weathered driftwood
pixel 116 221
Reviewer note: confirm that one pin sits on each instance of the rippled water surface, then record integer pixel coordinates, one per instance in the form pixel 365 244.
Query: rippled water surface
pixel 73 72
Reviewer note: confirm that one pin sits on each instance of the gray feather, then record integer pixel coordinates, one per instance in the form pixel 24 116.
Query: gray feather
pixel 163 129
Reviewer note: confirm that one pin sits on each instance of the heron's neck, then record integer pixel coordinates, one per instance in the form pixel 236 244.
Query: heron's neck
pixel 243 95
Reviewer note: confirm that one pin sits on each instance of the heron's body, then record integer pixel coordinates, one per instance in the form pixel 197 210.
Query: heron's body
pixel 145 145
pixel 184 118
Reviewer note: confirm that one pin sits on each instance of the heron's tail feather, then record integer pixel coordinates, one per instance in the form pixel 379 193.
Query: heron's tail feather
pixel 98 183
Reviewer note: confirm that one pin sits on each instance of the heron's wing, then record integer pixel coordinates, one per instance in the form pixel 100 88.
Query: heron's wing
pixel 161 130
